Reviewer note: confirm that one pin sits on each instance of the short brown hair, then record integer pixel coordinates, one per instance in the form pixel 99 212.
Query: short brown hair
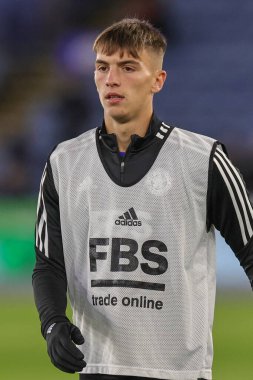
pixel 130 34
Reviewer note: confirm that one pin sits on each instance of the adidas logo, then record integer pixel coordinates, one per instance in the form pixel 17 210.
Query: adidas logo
pixel 129 218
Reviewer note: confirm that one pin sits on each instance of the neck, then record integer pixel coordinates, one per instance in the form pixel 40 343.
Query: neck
pixel 124 130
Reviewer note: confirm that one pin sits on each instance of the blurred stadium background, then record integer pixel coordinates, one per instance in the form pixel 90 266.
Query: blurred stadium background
pixel 47 95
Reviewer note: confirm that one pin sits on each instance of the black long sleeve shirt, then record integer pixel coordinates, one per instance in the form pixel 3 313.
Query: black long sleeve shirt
pixel 228 209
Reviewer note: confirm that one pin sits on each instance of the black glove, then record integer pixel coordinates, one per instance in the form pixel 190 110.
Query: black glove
pixel 61 349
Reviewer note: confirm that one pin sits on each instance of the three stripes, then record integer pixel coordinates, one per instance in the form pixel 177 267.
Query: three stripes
pixel 164 128
pixel 130 214
pixel 41 226
pixel 238 194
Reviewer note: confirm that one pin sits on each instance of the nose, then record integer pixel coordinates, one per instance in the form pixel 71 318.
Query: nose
pixel 112 78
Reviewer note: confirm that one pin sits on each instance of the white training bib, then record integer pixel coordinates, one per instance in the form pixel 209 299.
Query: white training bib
pixel 140 264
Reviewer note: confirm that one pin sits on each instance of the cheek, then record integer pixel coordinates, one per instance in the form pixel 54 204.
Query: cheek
pixel 144 87
pixel 98 87
pixel 97 80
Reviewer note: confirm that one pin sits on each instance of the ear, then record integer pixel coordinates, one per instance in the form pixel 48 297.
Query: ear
pixel 159 80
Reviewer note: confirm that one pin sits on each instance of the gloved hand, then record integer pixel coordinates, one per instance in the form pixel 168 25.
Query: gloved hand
pixel 61 349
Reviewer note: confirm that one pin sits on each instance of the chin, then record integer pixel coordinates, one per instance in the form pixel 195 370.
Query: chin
pixel 120 117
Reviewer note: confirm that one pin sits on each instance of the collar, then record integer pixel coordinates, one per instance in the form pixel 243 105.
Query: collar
pixel 137 142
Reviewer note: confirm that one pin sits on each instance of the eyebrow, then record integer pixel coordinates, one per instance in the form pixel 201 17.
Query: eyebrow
pixel 121 63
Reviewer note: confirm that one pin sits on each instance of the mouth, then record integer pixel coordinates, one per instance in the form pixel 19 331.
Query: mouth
pixel 114 98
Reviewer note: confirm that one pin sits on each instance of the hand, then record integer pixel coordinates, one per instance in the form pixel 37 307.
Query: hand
pixel 63 353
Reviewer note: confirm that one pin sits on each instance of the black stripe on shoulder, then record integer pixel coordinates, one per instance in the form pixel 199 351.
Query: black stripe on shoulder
pixel 241 185
pixel 233 183
pixel 209 185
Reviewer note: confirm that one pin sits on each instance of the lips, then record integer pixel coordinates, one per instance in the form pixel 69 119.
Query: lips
pixel 114 98
pixel 111 95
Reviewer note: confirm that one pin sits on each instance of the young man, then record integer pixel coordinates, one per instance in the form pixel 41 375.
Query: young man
pixel 126 218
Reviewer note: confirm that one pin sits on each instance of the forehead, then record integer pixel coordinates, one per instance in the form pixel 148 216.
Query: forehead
pixel 123 55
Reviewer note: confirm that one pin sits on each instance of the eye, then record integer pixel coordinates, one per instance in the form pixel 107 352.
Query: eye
pixel 101 68
pixel 128 69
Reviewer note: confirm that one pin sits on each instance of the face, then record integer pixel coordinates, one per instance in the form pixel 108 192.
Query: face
pixel 126 85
